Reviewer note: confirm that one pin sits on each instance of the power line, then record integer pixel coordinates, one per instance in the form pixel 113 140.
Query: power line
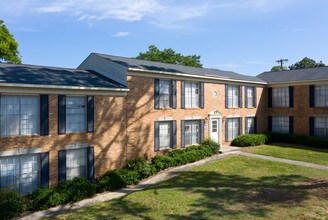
pixel 281 61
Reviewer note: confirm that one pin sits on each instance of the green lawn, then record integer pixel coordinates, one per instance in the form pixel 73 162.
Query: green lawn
pixel 233 188
pixel 292 152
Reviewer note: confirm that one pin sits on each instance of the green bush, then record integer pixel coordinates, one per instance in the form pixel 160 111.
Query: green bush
pixel 11 204
pixel 250 140
pixel 130 177
pixel 162 162
pixel 141 166
pixel 215 147
pixel 111 180
pixel 43 198
pixel 317 142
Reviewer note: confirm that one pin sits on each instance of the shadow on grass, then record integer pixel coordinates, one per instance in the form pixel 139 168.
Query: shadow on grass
pixel 217 196
pixel 298 146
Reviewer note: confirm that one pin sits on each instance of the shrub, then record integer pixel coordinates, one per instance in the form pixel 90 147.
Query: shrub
pixel 11 204
pixel 43 198
pixel 250 140
pixel 162 162
pixel 141 166
pixel 130 177
pixel 215 147
pixel 111 180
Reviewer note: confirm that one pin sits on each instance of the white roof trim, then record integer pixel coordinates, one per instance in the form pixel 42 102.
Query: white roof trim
pixel 195 76
pixel 301 82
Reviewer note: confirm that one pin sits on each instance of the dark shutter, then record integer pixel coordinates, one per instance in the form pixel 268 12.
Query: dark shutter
pixel 174 94
pixel 156 93
pixel 174 135
pixel 311 126
pixel 255 97
pixel 202 122
pixel 182 133
pixel 240 104
pixel 291 125
pixel 90 114
pixel 255 125
pixel 240 126
pixel 61 114
pixel 201 87
pixel 156 140
pixel 269 123
pixel 270 97
pixel 44 115
pixel 44 161
pixel 182 94
pixel 311 96
pixel 90 163
pixel 226 130
pixel 246 96
pixel 61 165
pixel 226 96
pixel 291 96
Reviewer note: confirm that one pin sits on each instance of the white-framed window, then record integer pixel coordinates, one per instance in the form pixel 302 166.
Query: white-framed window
pixel 250 125
pixel 280 124
pixel 321 96
pixel 192 132
pixel 321 126
pixel 20 173
pixel 192 95
pixel 76 163
pixel 233 128
pixel 19 115
pixel 233 96
pixel 280 97
pixel 165 131
pixel 164 93
pixel 76 114
pixel 249 97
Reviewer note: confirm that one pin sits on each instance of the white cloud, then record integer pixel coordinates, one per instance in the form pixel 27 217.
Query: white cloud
pixel 121 34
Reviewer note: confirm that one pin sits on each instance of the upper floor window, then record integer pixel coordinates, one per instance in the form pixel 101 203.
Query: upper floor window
pixel 233 96
pixel 191 95
pixel 280 97
pixel 76 114
pixel 164 93
pixel 321 96
pixel 250 97
pixel 280 124
pixel 19 115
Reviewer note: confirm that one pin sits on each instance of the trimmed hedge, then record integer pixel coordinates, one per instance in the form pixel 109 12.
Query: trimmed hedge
pixel 250 140
pixel 11 204
pixel 317 142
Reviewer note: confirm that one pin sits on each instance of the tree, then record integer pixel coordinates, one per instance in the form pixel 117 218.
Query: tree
pixel 306 63
pixel 278 68
pixel 8 46
pixel 169 56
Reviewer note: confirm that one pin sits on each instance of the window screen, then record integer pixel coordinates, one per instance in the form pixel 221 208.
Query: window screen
pixel 76 114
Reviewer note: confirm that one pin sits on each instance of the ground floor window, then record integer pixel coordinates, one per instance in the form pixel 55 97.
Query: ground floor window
pixel 280 124
pixel 76 163
pixel 250 125
pixel 20 173
pixel 321 126
pixel 233 128
pixel 192 132
pixel 165 131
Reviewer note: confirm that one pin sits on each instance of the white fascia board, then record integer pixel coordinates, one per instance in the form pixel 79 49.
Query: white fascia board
pixel 225 79
pixel 305 82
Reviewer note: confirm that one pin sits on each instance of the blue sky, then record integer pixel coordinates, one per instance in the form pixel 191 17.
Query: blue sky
pixel 245 36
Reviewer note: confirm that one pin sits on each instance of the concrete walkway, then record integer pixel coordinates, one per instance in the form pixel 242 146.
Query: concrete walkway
pixel 227 151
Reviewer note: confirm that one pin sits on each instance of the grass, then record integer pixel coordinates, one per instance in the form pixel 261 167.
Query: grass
pixel 233 188
pixel 292 152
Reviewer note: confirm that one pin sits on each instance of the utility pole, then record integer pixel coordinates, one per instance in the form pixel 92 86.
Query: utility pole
pixel 282 61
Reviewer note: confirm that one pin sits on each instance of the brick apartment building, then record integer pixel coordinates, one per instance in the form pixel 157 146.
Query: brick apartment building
pixel 58 123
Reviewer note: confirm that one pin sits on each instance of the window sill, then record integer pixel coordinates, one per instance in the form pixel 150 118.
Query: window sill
pixel 21 136
pixel 191 108
pixel 78 132
pixel 167 108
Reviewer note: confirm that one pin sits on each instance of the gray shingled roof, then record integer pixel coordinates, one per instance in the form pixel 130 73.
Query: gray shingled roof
pixel 42 75
pixel 174 68
pixel 299 75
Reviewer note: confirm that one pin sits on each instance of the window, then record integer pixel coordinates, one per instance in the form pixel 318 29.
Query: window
pixel 165 130
pixel 250 125
pixel 233 96
pixel 214 126
pixel 280 97
pixel 164 93
pixel 76 163
pixel 19 115
pixel 280 124
pixel 76 114
pixel 321 126
pixel 250 97
pixel 192 132
pixel 20 173
pixel 191 95
pixel 232 128
pixel 321 96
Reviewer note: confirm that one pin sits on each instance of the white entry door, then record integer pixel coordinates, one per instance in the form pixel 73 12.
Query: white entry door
pixel 215 130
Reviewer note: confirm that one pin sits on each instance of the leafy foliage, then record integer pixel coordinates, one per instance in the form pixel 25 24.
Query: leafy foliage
pixel 169 56
pixel 8 46
pixel 141 166
pixel 278 68
pixel 306 63
pixel 250 140
pixel 11 204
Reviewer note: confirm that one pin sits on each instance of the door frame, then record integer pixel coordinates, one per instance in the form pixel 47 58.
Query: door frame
pixel 215 114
